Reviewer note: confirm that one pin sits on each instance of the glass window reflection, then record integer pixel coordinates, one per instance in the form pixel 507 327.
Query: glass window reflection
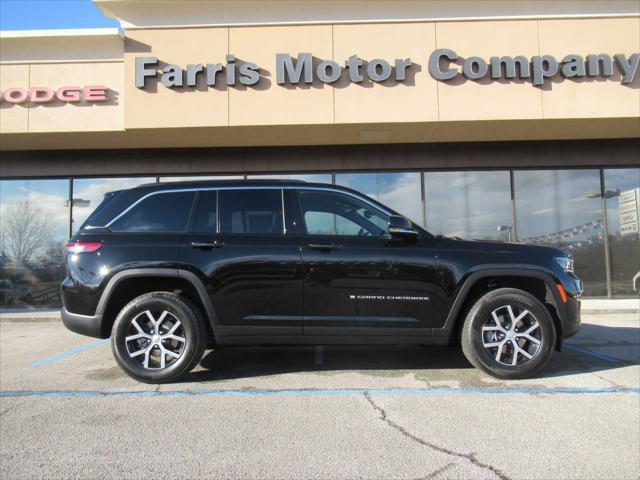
pixel 34 223
pixel 201 177
pixel 88 193
pixel 399 190
pixel 563 208
pixel 472 205
pixel 305 177
pixel 622 194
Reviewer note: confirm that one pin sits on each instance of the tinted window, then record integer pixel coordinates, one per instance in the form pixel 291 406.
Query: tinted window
pixel 163 212
pixel 563 208
pixel 34 227
pixel 473 205
pixel 397 190
pixel 251 211
pixel 332 213
pixel 205 220
pixel 89 194
pixel 622 195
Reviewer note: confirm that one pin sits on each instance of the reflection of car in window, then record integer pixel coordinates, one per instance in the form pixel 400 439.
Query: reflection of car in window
pixel 169 269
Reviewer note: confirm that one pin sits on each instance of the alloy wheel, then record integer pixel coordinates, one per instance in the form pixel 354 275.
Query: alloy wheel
pixel 511 337
pixel 155 341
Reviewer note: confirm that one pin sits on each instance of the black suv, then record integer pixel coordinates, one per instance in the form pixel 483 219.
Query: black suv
pixel 170 269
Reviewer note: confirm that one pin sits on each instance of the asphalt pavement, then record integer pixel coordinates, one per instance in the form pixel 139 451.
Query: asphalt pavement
pixel 67 411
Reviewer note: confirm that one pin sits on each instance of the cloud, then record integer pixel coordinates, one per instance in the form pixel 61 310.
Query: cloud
pixel 543 211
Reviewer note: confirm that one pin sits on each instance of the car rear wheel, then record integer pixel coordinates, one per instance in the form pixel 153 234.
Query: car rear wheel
pixel 158 337
pixel 509 334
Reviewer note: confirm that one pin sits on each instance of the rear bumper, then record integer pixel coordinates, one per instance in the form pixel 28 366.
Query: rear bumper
pixel 90 326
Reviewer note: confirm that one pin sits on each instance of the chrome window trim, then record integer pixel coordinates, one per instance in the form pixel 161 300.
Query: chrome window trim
pixel 257 187
pixel 284 219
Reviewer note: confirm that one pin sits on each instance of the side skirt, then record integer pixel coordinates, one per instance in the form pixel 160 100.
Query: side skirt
pixel 331 340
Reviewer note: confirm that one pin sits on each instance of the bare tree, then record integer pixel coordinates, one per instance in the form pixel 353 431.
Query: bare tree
pixel 26 227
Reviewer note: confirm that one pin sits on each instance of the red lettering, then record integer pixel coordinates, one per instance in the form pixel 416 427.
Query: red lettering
pixel 68 94
pixel 95 93
pixel 16 95
pixel 41 94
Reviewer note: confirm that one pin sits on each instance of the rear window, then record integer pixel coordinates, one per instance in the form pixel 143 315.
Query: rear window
pixel 99 209
pixel 248 211
pixel 163 212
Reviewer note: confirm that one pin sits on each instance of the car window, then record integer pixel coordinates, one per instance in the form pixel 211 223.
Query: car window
pixel 162 212
pixel 206 213
pixel 251 211
pixel 334 213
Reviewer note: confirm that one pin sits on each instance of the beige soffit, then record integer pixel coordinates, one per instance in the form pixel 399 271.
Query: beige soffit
pixel 134 14
pixel 61 46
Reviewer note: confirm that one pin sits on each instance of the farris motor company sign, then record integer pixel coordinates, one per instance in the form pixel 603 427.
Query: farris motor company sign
pixel 443 64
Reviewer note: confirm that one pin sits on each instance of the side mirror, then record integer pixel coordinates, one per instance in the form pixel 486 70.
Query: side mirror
pixel 400 226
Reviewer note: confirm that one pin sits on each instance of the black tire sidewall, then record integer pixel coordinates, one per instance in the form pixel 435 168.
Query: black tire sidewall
pixel 191 324
pixel 481 311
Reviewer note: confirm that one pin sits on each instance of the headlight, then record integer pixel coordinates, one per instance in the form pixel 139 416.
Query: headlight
pixel 566 263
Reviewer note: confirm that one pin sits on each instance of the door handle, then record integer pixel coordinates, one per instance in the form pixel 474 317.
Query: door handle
pixel 324 246
pixel 207 245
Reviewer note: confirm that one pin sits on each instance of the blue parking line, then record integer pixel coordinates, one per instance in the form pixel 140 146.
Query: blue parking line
pixel 69 352
pixel 593 354
pixel 354 391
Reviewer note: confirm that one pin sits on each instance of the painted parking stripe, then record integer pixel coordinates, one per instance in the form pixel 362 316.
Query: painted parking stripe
pixel 69 352
pixel 354 391
pixel 593 354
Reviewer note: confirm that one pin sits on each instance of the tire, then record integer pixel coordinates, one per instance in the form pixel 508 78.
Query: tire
pixel 482 338
pixel 163 358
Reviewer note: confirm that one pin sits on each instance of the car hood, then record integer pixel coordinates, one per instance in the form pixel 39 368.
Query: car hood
pixel 505 247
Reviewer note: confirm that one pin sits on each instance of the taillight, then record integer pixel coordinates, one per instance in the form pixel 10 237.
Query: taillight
pixel 83 247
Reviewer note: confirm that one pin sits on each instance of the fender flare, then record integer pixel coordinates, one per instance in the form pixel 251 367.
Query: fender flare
pixel 525 272
pixel 160 272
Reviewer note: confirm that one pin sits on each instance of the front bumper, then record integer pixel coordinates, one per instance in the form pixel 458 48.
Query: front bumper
pixel 90 326
pixel 571 323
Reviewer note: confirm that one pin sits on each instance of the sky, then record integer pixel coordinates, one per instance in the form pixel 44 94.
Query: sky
pixel 51 14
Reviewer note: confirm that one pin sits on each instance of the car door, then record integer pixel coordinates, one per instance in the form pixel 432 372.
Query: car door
pixel 358 280
pixel 248 256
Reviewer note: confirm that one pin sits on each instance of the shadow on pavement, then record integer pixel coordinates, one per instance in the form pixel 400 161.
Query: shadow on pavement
pixel 244 362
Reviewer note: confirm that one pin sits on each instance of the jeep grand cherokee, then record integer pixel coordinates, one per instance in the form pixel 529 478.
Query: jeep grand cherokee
pixel 169 269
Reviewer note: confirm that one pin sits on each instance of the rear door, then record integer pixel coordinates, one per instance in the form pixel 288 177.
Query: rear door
pixel 249 258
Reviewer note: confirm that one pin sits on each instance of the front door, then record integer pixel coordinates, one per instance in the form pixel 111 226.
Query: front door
pixel 250 261
pixel 358 280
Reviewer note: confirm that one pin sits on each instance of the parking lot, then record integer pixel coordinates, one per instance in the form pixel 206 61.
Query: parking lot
pixel 311 412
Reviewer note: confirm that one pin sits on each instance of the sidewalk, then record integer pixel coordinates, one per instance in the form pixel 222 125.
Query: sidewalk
pixel 599 306
pixel 590 306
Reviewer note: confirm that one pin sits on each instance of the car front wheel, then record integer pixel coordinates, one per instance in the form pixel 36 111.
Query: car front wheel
pixel 158 337
pixel 509 334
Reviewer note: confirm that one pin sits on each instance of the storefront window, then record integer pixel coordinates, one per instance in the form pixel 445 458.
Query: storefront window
pixel 471 205
pixel 399 191
pixel 305 177
pixel 563 208
pixel 622 194
pixel 88 193
pixel 201 177
pixel 34 223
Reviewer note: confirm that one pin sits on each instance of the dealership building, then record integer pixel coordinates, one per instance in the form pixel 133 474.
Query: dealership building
pixel 493 120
